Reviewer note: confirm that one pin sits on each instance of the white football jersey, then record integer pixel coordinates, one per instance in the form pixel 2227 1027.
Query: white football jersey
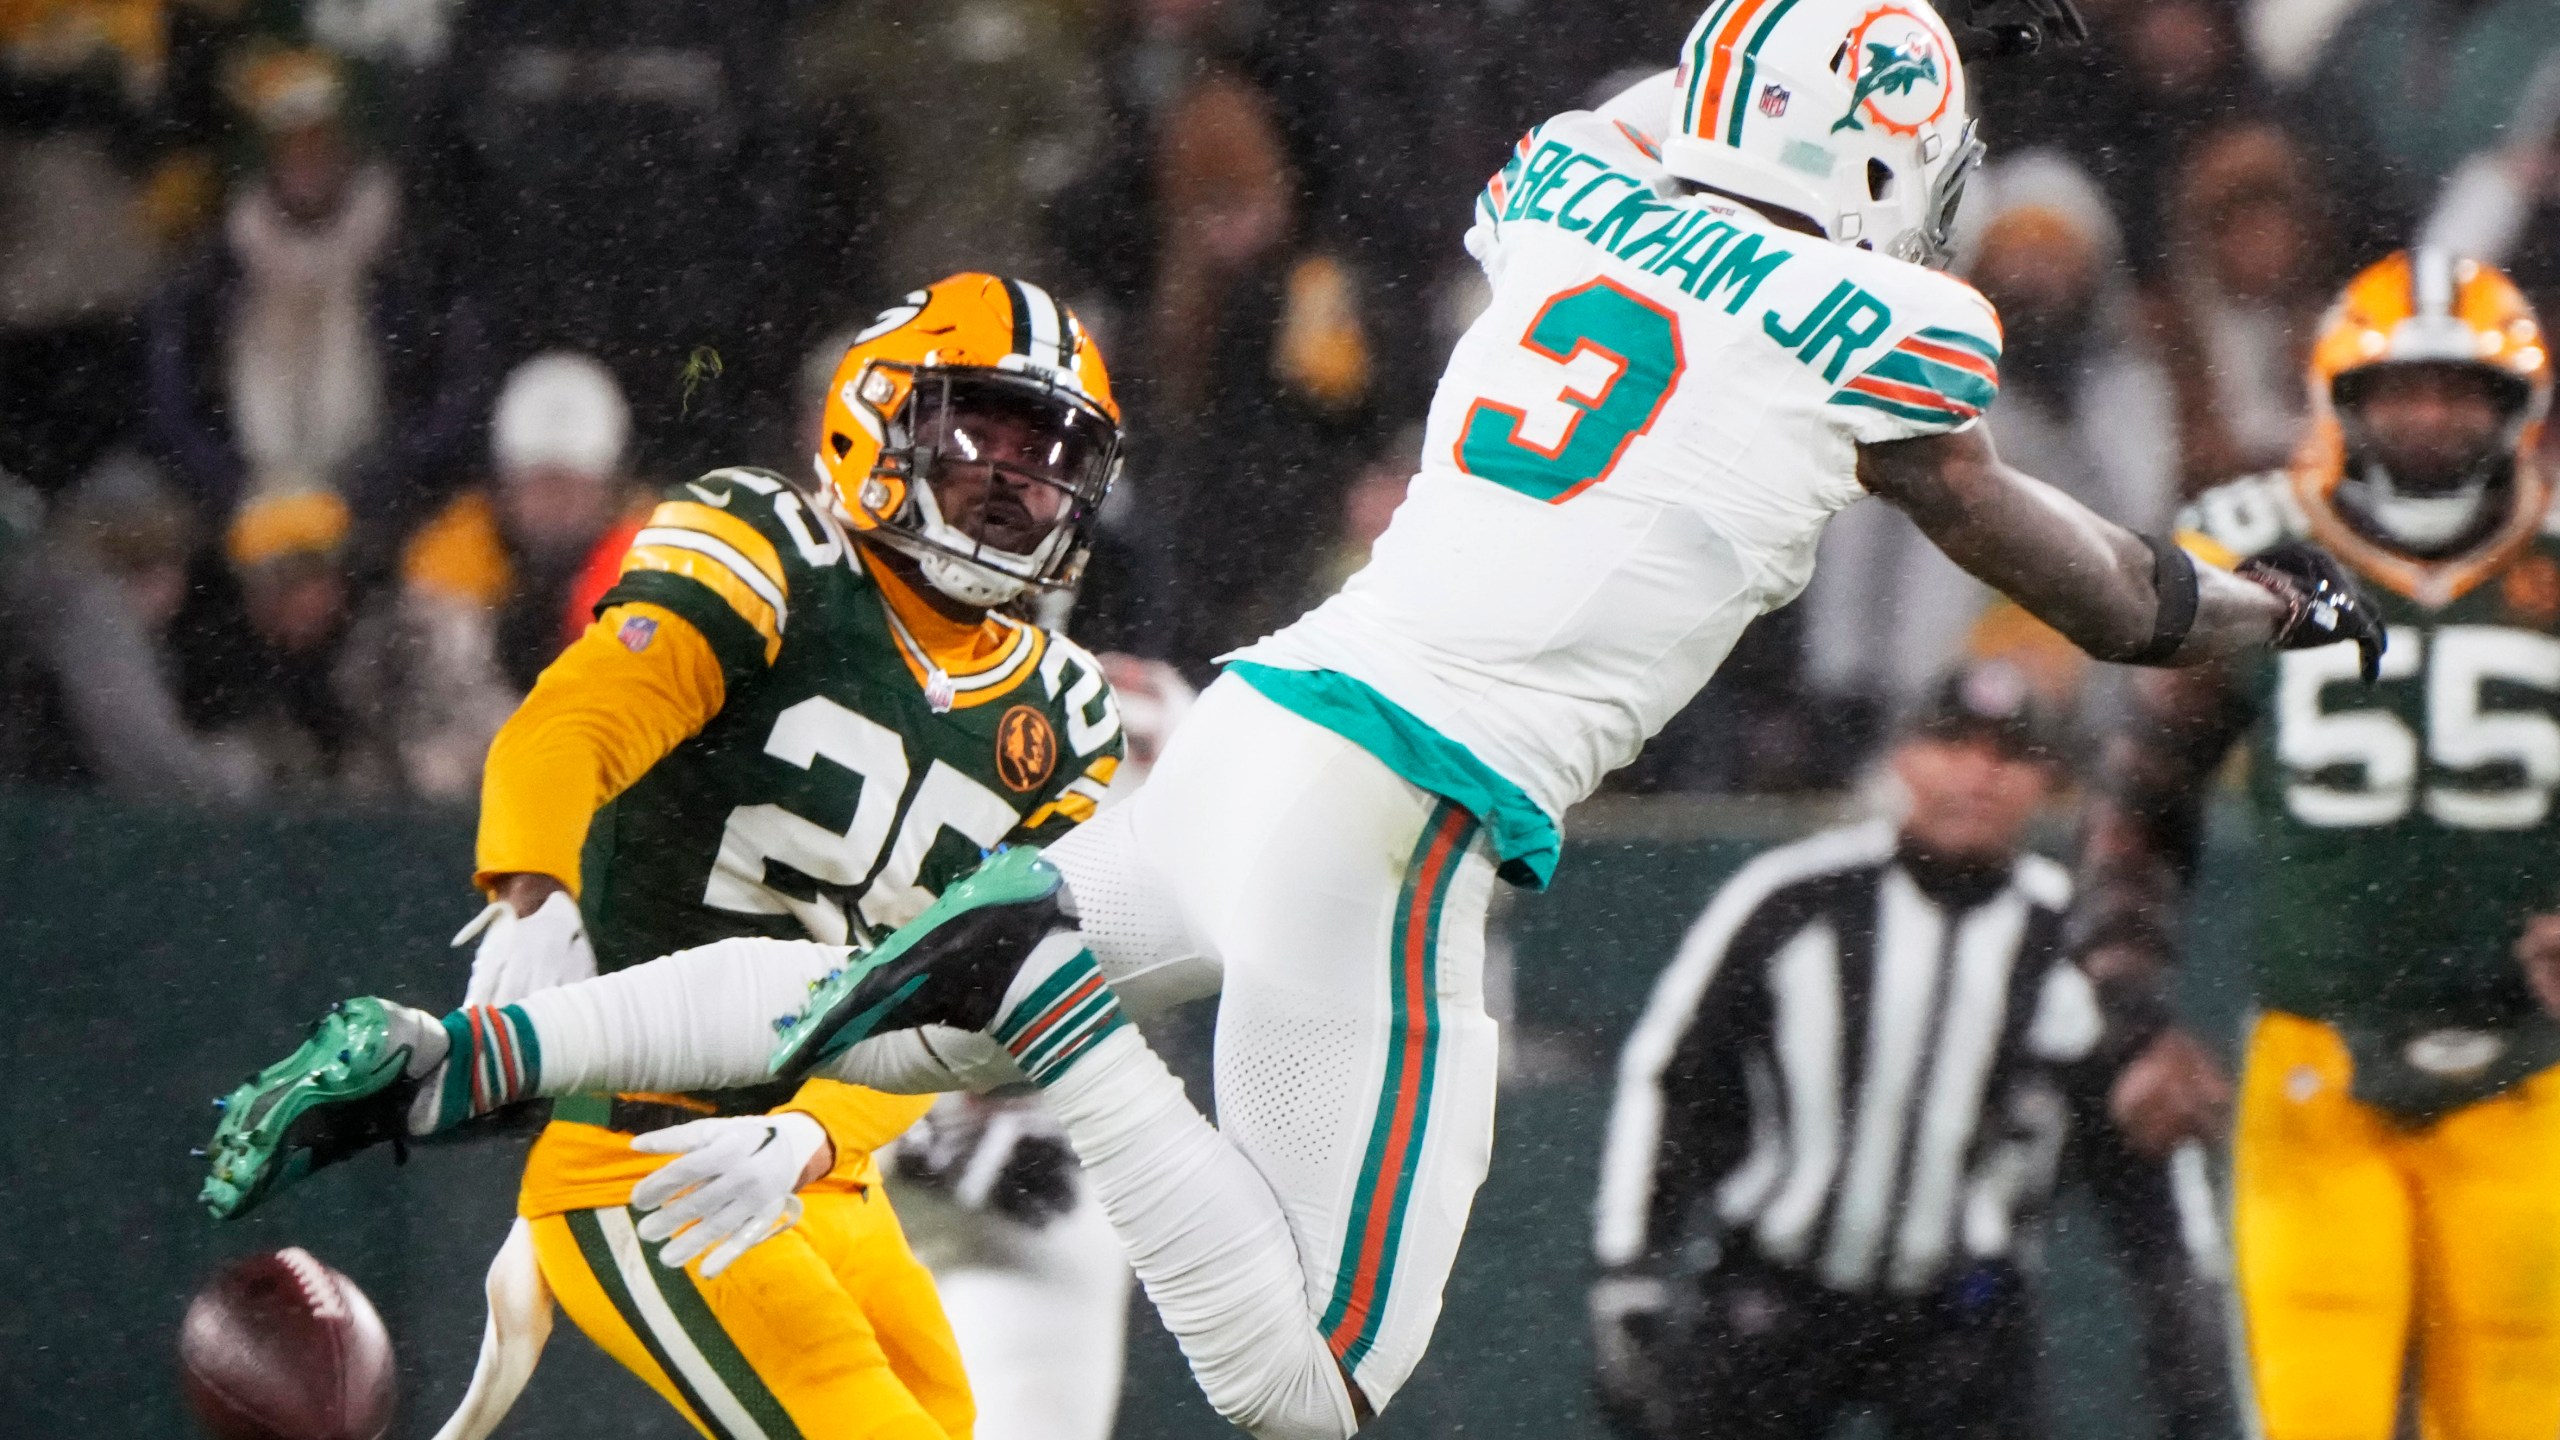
pixel 1631 452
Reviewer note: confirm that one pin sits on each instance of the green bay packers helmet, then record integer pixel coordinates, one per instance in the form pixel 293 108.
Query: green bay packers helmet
pixel 971 427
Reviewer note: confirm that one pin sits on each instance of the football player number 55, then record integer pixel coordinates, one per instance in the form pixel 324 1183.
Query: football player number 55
pixel 2477 679
pixel 1621 355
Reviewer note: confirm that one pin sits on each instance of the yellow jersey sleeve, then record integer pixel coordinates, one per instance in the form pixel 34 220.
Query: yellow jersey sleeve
pixel 638 683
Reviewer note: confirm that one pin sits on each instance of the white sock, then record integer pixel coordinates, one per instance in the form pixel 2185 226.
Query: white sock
pixel 700 1019
pixel 1207 1238
pixel 927 1060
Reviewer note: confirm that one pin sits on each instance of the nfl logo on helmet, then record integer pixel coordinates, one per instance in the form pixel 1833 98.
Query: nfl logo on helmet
pixel 1773 100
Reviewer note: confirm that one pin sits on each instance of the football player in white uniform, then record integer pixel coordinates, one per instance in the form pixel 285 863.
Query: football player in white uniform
pixel 1715 322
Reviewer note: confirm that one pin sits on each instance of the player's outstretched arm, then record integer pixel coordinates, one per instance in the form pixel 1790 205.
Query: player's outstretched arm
pixel 2111 592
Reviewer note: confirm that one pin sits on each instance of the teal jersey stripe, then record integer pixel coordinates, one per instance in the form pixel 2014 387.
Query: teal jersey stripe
pixel 1525 841
pixel 1750 64
pixel 1896 407
pixel 1962 340
pixel 1965 388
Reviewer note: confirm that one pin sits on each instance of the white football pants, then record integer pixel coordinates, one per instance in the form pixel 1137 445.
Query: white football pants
pixel 1355 1066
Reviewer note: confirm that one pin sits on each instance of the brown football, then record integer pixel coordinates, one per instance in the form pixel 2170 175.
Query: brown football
pixel 281 1347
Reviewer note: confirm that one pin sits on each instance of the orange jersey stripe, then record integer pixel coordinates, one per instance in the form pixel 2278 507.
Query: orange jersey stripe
pixel 1951 355
pixel 1896 391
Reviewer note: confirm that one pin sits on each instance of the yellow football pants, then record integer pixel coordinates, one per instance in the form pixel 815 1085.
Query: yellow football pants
pixel 2354 1235
pixel 830 1330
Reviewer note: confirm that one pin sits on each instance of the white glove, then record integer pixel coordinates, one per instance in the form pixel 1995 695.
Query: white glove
pixel 729 1186
pixel 520 954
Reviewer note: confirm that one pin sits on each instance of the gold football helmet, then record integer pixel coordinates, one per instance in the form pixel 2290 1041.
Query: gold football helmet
pixel 971 426
pixel 2427 529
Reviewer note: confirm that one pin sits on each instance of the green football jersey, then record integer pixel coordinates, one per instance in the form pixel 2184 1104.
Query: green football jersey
pixel 846 780
pixel 2406 832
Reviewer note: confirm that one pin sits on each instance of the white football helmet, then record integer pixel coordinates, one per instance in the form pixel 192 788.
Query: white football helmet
pixel 1849 112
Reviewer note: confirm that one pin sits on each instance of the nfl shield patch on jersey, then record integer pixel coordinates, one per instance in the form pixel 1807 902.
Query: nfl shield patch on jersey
pixel 636 633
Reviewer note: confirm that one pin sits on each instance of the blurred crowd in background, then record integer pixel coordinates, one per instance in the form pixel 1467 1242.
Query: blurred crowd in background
pixel 342 340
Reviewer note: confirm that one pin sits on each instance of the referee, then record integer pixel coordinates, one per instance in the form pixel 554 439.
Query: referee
pixel 1847 1096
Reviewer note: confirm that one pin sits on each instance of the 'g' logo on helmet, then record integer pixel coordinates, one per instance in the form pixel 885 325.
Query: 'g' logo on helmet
pixel 893 317
pixel 1898 74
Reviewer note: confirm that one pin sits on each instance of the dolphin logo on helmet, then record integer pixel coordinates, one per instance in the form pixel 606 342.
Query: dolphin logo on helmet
pixel 913 402
pixel 1874 152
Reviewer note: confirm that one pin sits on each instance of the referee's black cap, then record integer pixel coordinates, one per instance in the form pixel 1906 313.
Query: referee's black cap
pixel 1989 700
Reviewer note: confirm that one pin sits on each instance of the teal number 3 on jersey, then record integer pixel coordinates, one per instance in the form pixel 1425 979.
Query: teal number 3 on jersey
pixel 1640 339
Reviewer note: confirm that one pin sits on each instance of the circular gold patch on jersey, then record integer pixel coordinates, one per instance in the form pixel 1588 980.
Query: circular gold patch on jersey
pixel 1026 748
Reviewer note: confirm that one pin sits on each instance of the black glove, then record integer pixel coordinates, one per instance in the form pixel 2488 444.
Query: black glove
pixel 2323 604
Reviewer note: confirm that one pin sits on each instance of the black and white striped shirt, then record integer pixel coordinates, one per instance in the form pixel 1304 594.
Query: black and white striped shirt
pixel 1851 1058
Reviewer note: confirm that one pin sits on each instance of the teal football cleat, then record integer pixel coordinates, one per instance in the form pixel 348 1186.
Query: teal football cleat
pixel 346 1088
pixel 948 966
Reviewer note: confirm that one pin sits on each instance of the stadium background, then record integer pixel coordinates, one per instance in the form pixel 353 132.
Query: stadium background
pixel 249 667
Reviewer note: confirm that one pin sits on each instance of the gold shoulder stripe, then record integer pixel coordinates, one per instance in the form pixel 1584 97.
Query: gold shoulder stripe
pixel 1081 797
pixel 717 576
pixel 1076 809
pixel 721 525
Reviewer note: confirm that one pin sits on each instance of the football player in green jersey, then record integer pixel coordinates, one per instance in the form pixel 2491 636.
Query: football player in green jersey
pixel 797 718
pixel 2397 1146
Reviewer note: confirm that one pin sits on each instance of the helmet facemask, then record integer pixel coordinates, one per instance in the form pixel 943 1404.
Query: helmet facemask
pixel 1931 243
pixel 2430 506
pixel 991 479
